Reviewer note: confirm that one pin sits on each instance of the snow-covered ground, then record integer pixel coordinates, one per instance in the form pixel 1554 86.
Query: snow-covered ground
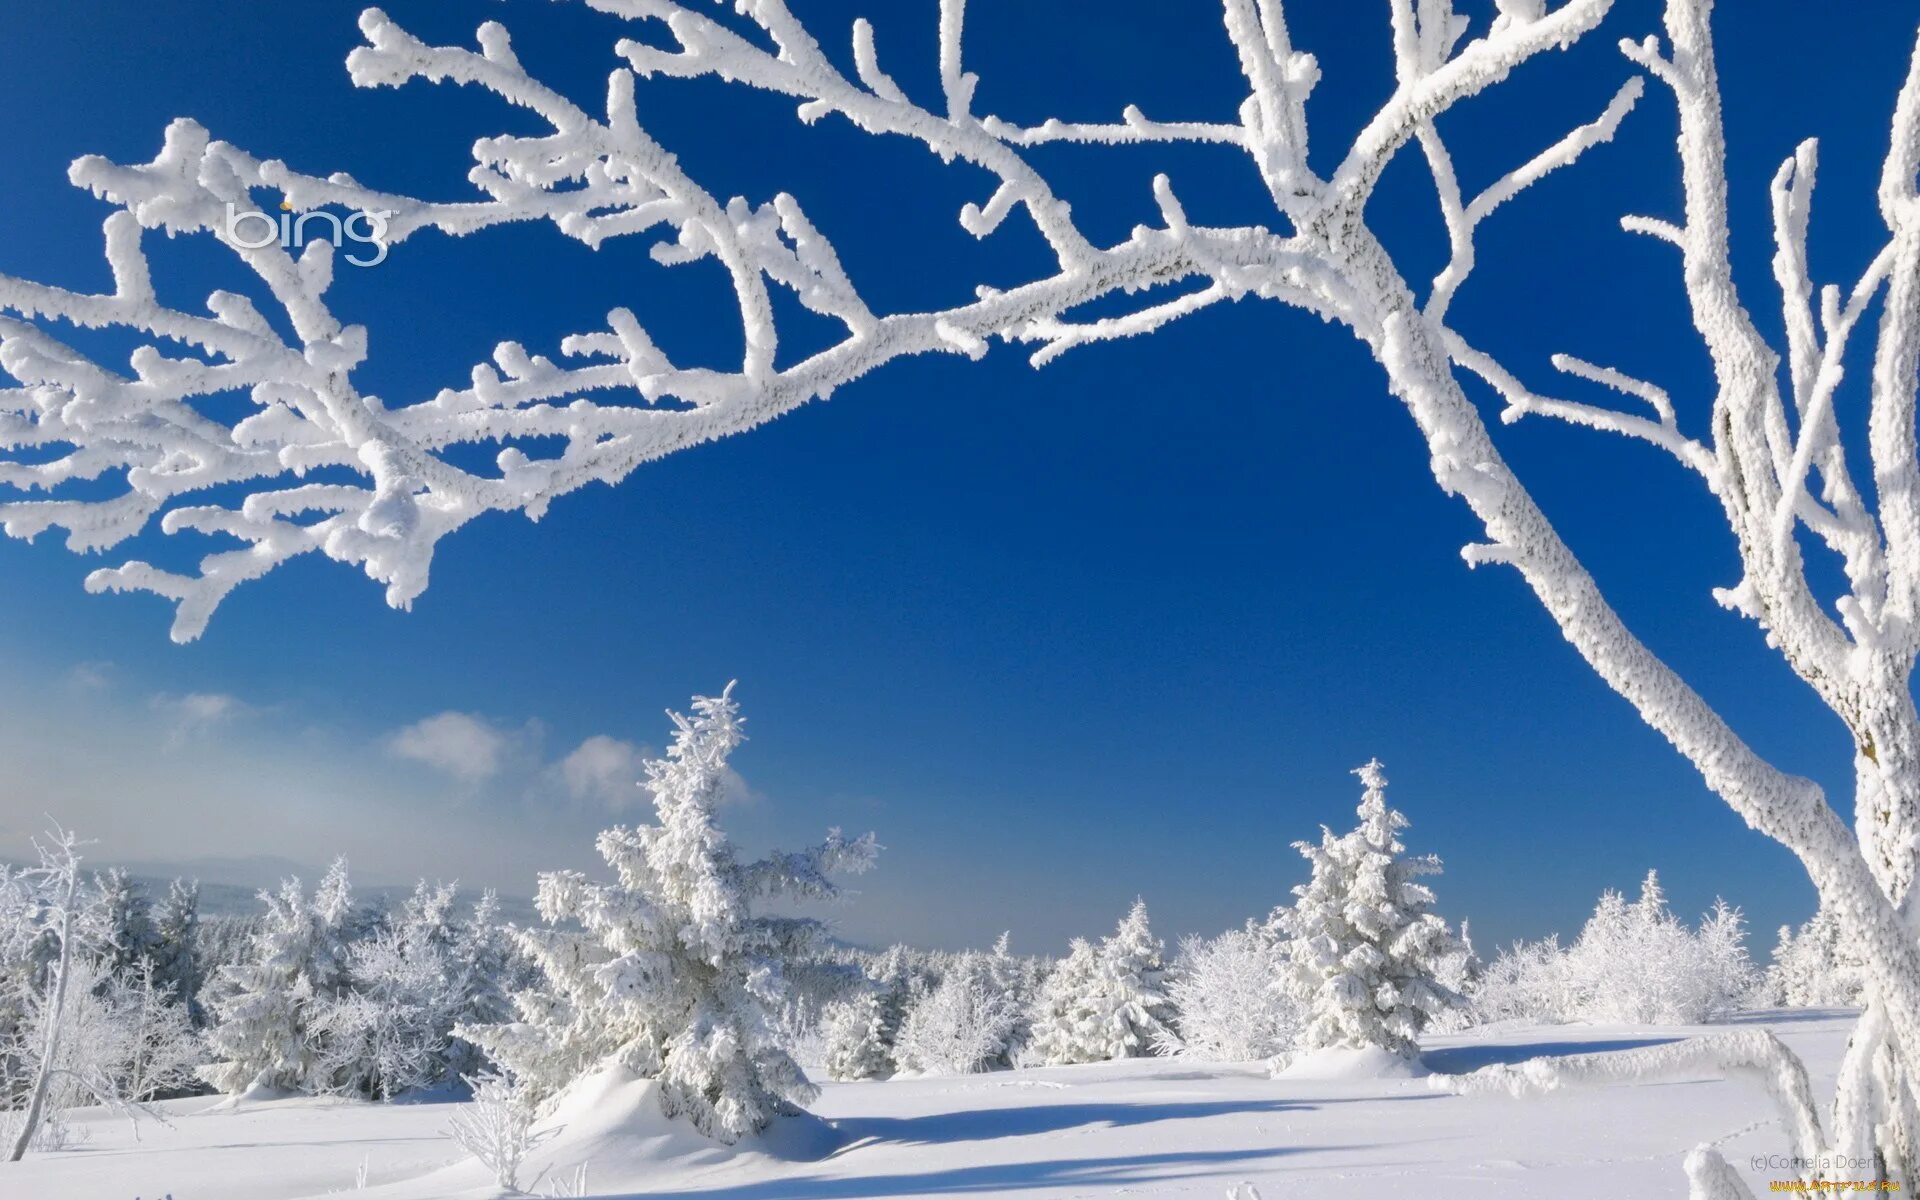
pixel 1153 1127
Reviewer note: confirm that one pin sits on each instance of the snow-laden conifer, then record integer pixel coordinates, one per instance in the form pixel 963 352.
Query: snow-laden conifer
pixel 1131 1008
pixel 260 1008
pixel 1363 948
pixel 855 1030
pixel 1815 967
pixel 1064 1024
pixel 674 976
pixel 176 959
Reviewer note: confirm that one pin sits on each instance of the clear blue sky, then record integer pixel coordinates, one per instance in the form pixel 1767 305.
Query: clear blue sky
pixel 1118 626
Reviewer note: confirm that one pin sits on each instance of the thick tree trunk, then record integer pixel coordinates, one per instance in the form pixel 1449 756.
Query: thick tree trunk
pixel 1857 873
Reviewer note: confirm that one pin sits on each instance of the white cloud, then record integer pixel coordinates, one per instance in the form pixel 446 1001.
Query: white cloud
pixel 195 713
pixel 454 743
pixel 606 769
pixel 609 770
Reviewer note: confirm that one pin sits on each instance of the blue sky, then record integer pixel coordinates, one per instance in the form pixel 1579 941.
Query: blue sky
pixel 1118 626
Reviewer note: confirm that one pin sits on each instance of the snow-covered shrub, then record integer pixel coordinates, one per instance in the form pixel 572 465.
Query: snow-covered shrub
pixel 966 1024
pixel 1633 963
pixel 154 1049
pixel 260 1007
pixel 856 1039
pixel 496 1128
pixel 671 972
pixel 1525 982
pixel 388 1034
pixel 1363 950
pixel 1226 1007
pixel 1815 967
pixel 410 982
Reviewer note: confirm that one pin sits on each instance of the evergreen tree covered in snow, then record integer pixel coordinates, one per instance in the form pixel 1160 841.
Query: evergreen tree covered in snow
pixel 1815 967
pixel 176 960
pixel 673 975
pixel 260 1007
pixel 857 1039
pixel 1363 949
pixel 1131 1008
pixel 899 979
pixel 1106 1001
pixel 124 920
pixel 1064 1024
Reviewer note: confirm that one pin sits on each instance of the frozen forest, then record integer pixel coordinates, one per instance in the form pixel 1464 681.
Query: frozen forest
pixel 685 1018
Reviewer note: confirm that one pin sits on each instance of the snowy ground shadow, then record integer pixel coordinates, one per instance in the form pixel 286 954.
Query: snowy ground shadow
pixel 1458 1060
pixel 980 1124
pixel 1155 1169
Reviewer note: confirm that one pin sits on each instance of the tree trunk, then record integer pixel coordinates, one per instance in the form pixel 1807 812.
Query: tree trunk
pixel 56 1014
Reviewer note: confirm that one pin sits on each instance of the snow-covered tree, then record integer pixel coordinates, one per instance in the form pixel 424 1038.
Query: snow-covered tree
pixel 261 1007
pixel 1634 962
pixel 672 974
pixel 1774 449
pixel 176 957
pixel 1063 1021
pixel 965 1025
pixel 1105 1001
pixel 1226 1007
pixel 484 967
pixel 899 978
pixel 856 1038
pixel 1131 1006
pixel 150 1048
pixel 1814 967
pixel 1638 963
pixel 43 905
pixel 1363 949
pixel 125 919
pixel 391 1029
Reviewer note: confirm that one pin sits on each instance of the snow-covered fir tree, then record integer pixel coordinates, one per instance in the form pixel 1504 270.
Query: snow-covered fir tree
pixel 1019 978
pixel 1815 967
pixel 124 919
pixel 260 1007
pixel 1064 1025
pixel 1363 949
pixel 673 976
pixel 485 967
pixel 176 958
pixel 899 978
pixel 1105 1001
pixel 1131 1008
pixel 856 1037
